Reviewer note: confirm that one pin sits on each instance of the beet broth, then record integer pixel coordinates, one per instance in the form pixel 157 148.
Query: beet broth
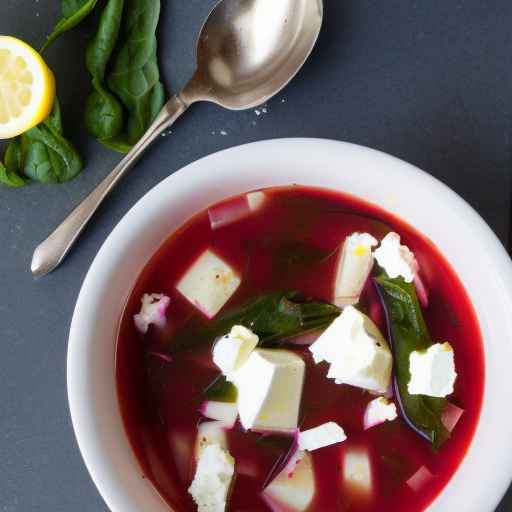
pixel 291 243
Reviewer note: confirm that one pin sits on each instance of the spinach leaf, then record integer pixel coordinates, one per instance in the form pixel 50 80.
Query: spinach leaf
pixel 220 390
pixel 135 77
pixel 103 111
pixel 408 332
pixel 279 316
pixel 9 178
pixel 73 13
pixel 45 155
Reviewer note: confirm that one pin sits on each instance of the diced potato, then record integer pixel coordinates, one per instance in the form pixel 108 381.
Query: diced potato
pixel 420 479
pixel 209 283
pixel 357 472
pixel 224 412
pixel 293 489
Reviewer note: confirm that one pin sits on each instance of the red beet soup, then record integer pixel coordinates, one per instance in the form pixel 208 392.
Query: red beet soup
pixel 279 250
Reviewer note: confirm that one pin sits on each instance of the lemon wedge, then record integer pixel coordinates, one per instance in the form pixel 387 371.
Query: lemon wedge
pixel 27 87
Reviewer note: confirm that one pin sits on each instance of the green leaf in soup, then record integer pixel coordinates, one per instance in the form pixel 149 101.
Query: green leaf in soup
pixel 408 332
pixel 73 13
pixel 103 112
pixel 10 178
pixel 220 390
pixel 135 77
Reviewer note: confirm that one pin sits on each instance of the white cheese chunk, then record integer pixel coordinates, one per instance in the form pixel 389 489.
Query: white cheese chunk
pixel 378 411
pixel 152 311
pixel 212 481
pixel 321 436
pixel 232 351
pixel 269 390
pixel 294 488
pixel 432 371
pixel 396 259
pixel 210 432
pixel 224 412
pixel 209 283
pixel 357 472
pixel 354 267
pixel 358 353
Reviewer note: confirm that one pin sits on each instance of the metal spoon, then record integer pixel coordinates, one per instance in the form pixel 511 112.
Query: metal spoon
pixel 247 51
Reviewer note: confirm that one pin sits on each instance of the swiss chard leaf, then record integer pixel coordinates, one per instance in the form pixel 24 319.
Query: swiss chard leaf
pixel 135 77
pixel 103 111
pixel 73 13
pixel 408 332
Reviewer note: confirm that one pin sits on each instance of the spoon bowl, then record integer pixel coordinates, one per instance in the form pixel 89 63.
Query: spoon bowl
pixel 248 50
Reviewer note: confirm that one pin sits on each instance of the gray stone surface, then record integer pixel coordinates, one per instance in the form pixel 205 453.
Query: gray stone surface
pixel 430 82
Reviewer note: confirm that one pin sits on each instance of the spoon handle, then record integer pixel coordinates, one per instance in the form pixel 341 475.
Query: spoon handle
pixel 50 253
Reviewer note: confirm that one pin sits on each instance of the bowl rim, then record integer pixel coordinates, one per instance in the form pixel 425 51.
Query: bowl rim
pixel 272 163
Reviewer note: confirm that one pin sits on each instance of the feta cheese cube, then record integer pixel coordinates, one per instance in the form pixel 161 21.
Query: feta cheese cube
pixel 321 436
pixel 269 390
pixel 209 283
pixel 358 353
pixel 294 488
pixel 378 411
pixel 212 481
pixel 232 351
pixel 152 311
pixel 210 432
pixel 354 267
pixel 432 371
pixel 396 259
pixel 224 412
pixel 357 472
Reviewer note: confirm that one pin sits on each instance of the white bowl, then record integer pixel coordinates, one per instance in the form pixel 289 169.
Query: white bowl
pixel 458 231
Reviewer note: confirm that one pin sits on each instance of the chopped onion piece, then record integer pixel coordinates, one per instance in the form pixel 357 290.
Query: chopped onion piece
pixel 421 291
pixel 451 416
pixel 152 312
pixel 421 478
pixel 379 411
pixel 224 412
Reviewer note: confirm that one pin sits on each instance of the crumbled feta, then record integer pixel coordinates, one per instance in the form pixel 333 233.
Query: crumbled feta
pixel 354 267
pixel 321 436
pixel 432 371
pixel 210 432
pixel 232 351
pixel 152 311
pixel 379 411
pixel 212 481
pixel 209 283
pixel 396 259
pixel 224 412
pixel 357 472
pixel 269 390
pixel 358 353
pixel 294 488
